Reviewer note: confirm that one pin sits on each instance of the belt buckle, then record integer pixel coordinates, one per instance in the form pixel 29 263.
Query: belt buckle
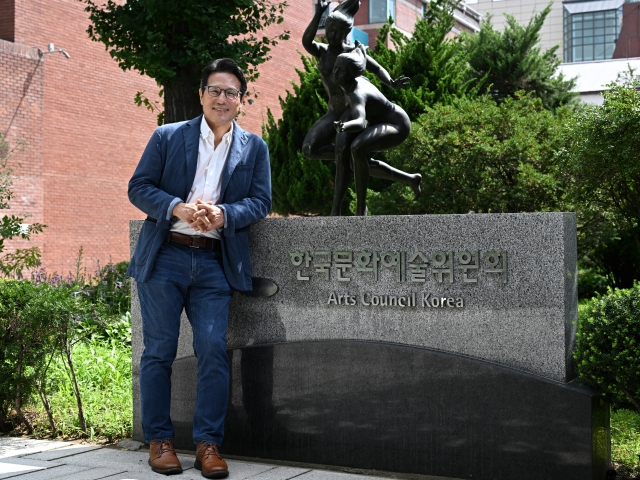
pixel 191 243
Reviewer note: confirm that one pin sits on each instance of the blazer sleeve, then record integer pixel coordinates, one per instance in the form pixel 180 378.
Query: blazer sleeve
pixel 144 191
pixel 257 203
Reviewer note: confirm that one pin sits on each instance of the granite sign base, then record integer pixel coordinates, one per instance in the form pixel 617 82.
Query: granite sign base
pixel 438 345
pixel 402 409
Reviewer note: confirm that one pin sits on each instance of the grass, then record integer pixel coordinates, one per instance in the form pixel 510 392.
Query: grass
pixel 104 377
pixel 625 442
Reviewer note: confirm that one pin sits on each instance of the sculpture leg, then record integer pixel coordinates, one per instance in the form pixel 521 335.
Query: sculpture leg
pixel 375 138
pixel 360 156
pixel 385 171
pixel 343 171
pixel 319 143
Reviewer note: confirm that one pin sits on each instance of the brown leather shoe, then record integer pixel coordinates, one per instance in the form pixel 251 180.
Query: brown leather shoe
pixel 209 461
pixel 162 457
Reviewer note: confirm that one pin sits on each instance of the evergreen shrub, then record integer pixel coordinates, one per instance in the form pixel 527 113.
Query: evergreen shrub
pixel 607 346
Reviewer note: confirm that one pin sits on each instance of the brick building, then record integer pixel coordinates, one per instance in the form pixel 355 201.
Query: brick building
pixel 84 133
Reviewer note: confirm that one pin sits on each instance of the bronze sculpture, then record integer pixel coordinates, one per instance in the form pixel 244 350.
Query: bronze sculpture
pixel 321 141
pixel 378 124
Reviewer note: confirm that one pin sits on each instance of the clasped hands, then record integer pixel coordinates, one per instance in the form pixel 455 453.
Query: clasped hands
pixel 201 216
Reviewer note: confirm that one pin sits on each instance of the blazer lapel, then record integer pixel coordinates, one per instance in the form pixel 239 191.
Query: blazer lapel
pixel 191 135
pixel 235 154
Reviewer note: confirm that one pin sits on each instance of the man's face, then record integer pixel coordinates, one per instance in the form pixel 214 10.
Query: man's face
pixel 220 111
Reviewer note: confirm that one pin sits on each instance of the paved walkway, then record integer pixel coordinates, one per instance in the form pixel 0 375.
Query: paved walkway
pixel 22 458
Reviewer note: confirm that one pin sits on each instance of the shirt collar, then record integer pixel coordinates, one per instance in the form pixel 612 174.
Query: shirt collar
pixel 207 134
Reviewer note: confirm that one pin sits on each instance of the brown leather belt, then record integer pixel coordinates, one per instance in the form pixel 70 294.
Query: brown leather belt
pixel 208 243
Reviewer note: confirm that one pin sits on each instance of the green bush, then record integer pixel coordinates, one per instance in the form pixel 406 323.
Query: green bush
pixel 25 343
pixel 111 286
pixel 607 345
pixel 477 155
pixel 37 321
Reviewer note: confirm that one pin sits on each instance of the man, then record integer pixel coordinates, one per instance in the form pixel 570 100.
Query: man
pixel 201 183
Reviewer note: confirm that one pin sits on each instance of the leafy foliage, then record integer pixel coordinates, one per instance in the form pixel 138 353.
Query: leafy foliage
pixel 12 226
pixel 475 155
pixel 436 64
pixel 299 185
pixel 607 345
pixel 505 62
pixel 36 322
pixel 104 377
pixel 172 41
pixel 602 168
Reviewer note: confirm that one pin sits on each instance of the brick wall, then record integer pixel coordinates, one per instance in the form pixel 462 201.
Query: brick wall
pixel 21 110
pixel 92 135
pixel 628 43
pixel 407 13
pixel 276 74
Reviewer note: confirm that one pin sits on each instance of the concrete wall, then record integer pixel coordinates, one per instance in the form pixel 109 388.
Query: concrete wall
pixel 552 31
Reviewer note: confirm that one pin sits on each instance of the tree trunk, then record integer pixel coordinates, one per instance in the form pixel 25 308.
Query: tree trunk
pixel 76 390
pixel 47 408
pixel 18 400
pixel 632 398
pixel 181 100
pixel 41 386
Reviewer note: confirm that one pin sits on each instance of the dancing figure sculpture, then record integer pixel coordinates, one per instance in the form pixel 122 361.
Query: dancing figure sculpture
pixel 377 123
pixel 321 141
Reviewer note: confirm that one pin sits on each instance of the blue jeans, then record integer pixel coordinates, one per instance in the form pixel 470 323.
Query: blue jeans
pixel 191 278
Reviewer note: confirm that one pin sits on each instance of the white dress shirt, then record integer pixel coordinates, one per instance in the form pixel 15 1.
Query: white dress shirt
pixel 207 182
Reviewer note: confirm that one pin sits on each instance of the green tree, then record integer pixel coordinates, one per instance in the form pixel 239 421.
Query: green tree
pixel 505 62
pixel 602 168
pixel 299 185
pixel 172 41
pixel 437 65
pixel 12 226
pixel 476 155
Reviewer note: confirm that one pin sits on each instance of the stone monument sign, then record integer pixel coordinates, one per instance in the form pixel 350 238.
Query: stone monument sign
pixel 437 345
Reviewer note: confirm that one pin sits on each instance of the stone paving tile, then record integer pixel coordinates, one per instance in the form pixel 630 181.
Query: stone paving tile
pixel 327 475
pixel 14 447
pixel 236 472
pixel 57 472
pixel 280 473
pixel 10 467
pixel 239 470
pixel 70 449
pixel 149 475
pixel 87 474
pixel 109 457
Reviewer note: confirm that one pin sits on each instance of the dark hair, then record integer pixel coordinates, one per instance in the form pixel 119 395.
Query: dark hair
pixel 355 61
pixel 225 65
pixel 344 13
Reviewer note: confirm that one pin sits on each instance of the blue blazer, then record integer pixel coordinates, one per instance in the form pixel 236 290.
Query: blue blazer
pixel 167 170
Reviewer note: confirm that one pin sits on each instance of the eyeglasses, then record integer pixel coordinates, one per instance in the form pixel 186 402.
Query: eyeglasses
pixel 230 93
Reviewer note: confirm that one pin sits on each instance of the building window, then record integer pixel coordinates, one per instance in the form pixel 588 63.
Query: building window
pixel 591 35
pixel 381 10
